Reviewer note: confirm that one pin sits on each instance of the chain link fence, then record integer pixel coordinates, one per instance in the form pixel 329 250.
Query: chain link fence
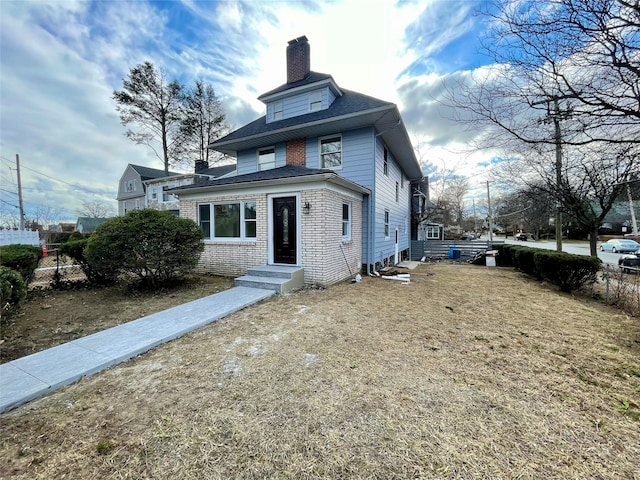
pixel 54 270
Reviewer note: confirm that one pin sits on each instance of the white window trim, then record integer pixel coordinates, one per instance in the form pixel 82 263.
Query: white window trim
pixel 258 158
pixel 315 99
pixel 431 228
pixel 349 222
pixel 327 137
pixel 387 222
pixel 278 108
pixel 243 222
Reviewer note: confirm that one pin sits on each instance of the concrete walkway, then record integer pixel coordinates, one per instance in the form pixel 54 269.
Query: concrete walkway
pixel 30 377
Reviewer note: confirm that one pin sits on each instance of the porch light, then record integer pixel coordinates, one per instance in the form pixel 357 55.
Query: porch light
pixel 307 208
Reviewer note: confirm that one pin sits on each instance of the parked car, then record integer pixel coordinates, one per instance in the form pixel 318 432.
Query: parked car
pixel 521 236
pixel 630 263
pixel 617 245
pixel 467 236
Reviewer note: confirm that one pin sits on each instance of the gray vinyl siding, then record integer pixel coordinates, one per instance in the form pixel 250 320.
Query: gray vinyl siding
pixel 248 159
pixel 385 195
pixel 299 104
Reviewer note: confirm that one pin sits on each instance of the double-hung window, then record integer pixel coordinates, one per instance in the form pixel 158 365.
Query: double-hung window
pixel 346 221
pixel 228 220
pixel 397 192
pixel 277 110
pixel 385 160
pixel 266 158
pixel 386 224
pixel 433 232
pixel 331 152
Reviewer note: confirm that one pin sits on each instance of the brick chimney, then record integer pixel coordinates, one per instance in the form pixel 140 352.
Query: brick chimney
pixel 298 59
pixel 201 165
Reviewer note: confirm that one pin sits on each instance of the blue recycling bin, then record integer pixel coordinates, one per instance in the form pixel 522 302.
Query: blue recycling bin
pixel 454 253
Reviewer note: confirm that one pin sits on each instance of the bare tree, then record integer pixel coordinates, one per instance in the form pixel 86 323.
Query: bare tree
pixel 457 188
pixel 96 209
pixel 203 120
pixel 566 75
pixel 152 104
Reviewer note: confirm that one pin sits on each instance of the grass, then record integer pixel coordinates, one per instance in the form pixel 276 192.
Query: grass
pixel 469 372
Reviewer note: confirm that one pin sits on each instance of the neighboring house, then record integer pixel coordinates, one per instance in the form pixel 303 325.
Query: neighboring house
pixel 430 231
pixel 88 224
pixel 144 187
pixel 322 183
pixel 132 190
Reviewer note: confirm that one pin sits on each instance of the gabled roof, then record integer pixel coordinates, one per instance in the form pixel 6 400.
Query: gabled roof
pixel 220 171
pixel 89 224
pixel 147 173
pixel 281 175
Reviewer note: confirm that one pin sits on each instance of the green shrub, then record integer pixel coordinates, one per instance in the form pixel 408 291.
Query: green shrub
pixel 569 272
pixel 21 258
pixel 151 245
pixel 75 250
pixel 505 255
pixel 12 289
pixel 524 260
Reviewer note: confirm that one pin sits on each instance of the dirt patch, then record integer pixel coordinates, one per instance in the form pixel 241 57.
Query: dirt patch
pixel 51 317
pixel 467 372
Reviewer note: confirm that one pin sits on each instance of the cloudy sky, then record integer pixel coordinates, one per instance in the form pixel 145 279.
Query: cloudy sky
pixel 61 60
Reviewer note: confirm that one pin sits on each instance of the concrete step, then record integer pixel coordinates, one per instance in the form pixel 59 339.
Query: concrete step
pixel 275 271
pixel 280 279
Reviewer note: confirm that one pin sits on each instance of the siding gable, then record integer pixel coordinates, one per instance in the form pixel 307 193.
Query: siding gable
pixel 299 104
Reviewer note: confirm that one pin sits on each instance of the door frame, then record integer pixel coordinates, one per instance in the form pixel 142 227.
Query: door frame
pixel 271 234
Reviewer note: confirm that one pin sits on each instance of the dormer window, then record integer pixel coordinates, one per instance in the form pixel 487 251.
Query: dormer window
pixel 277 110
pixel 315 101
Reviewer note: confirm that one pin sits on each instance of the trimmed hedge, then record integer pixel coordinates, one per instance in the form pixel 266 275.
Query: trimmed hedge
pixel 21 258
pixel 75 250
pixel 569 272
pixel 12 289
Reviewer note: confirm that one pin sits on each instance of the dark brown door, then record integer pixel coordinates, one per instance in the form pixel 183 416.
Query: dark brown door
pixel 285 235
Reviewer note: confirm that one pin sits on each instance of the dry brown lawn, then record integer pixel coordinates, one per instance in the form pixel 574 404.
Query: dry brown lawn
pixel 467 372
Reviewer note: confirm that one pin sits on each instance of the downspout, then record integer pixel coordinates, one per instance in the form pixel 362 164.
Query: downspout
pixel 372 214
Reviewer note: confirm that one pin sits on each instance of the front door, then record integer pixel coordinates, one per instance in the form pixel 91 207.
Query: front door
pixel 284 230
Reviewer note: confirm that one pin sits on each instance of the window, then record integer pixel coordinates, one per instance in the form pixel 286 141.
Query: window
pixel 397 192
pixel 154 195
pixel 331 152
pixel 401 180
pixel 130 186
pixel 315 101
pixel 433 232
pixel 167 197
pixel 386 224
pixel 137 204
pixel 346 221
pixel 228 220
pixel 277 110
pixel 385 165
pixel 266 158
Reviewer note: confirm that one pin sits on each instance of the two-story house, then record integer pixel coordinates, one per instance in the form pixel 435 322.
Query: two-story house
pixel 323 183
pixel 144 187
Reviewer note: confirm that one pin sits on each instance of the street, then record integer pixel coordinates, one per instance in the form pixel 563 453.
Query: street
pixel 579 248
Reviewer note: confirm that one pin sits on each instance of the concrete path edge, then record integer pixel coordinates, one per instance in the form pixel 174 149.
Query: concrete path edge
pixel 27 378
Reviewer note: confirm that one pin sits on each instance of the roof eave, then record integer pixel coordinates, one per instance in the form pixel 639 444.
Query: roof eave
pixel 231 147
pixel 328 177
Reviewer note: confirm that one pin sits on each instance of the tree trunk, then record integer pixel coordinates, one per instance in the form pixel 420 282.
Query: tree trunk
pixel 593 242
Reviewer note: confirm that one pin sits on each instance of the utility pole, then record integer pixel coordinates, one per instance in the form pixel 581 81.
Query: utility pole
pixel 489 206
pixel 634 223
pixel 556 116
pixel 20 203
pixel 475 219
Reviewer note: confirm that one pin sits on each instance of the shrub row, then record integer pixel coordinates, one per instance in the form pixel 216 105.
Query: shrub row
pixel 21 258
pixel 569 272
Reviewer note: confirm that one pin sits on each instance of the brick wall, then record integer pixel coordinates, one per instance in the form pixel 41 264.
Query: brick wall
pixel 297 152
pixel 320 233
pixel 232 258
